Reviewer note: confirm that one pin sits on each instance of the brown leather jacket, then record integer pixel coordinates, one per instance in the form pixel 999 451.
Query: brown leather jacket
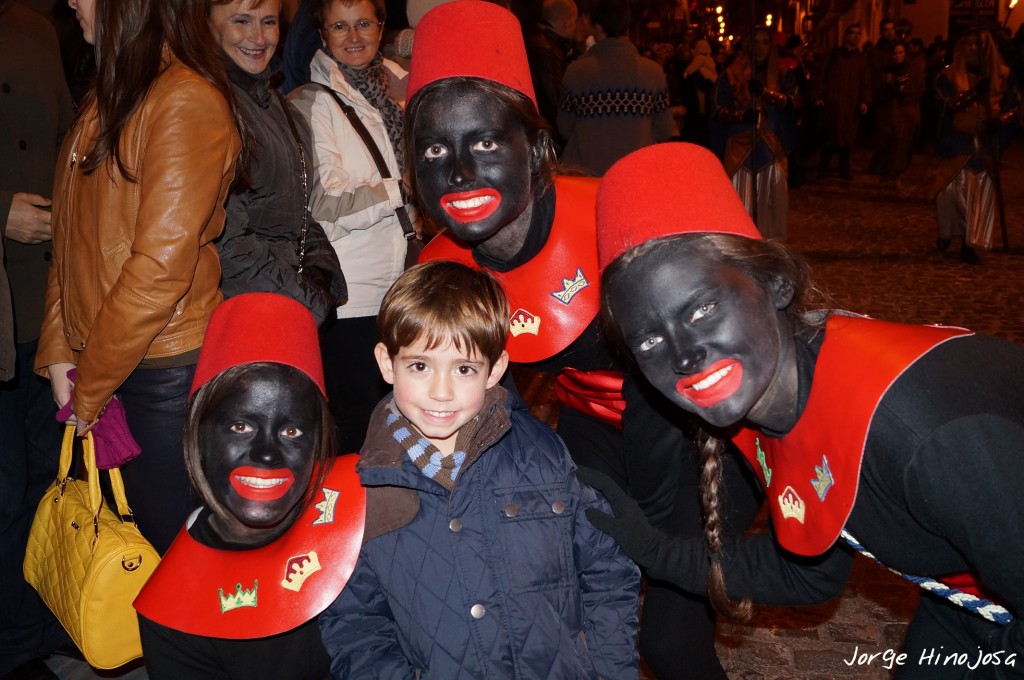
pixel 135 273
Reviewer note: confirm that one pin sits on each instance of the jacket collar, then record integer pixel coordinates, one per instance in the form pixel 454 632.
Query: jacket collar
pixel 391 507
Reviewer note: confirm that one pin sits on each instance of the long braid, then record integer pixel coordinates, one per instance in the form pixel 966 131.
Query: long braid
pixel 711 449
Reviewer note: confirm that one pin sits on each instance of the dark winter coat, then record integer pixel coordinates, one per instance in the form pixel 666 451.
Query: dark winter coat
pixel 504 577
pixel 259 248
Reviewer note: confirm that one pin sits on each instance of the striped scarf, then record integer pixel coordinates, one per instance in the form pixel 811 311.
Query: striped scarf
pixel 424 455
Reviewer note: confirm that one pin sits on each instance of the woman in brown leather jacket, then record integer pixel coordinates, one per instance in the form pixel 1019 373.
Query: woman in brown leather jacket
pixel 138 201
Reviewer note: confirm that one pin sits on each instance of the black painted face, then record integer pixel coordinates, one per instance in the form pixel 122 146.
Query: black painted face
pixel 474 162
pixel 705 334
pixel 258 445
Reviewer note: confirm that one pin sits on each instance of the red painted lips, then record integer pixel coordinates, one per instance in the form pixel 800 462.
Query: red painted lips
pixel 717 382
pixel 261 484
pixel 471 206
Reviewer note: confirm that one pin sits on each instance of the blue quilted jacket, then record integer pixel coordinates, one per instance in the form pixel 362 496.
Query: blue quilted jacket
pixel 502 578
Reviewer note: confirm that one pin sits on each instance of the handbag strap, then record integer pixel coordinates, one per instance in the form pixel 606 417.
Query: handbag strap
pixel 301 251
pixel 374 150
pixel 92 473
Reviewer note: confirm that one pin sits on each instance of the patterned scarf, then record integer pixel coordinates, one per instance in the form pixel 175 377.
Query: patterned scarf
pixel 372 83
pixel 424 455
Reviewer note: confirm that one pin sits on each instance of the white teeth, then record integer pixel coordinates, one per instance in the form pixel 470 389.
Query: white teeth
pixel 260 483
pixel 251 53
pixel 711 379
pixel 470 203
pixel 440 414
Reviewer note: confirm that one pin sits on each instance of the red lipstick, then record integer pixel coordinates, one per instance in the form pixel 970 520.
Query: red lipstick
pixel 261 484
pixel 717 382
pixel 481 204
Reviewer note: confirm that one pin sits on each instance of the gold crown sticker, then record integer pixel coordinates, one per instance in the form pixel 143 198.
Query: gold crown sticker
pixel 791 504
pixel 570 287
pixel 523 322
pixel 241 597
pixel 298 569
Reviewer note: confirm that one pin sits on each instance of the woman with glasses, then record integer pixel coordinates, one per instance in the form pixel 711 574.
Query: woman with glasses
pixel 358 200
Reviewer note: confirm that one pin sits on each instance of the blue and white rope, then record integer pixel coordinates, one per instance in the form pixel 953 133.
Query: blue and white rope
pixel 982 607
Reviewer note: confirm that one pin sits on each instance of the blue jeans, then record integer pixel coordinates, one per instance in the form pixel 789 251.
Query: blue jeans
pixel 156 483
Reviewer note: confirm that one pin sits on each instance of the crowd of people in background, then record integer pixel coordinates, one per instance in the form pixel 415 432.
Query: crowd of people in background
pixel 219 150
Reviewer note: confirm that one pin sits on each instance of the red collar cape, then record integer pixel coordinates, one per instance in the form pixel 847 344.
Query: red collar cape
pixel 244 594
pixel 554 296
pixel 811 474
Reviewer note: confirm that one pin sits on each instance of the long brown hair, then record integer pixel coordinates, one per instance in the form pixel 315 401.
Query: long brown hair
pixel 129 40
pixel 766 262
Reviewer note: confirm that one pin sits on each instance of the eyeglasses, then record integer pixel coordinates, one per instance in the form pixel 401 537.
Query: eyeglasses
pixel 362 27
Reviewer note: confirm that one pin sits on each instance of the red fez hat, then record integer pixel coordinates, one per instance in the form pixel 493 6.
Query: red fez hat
pixel 471 38
pixel 260 327
pixel 662 190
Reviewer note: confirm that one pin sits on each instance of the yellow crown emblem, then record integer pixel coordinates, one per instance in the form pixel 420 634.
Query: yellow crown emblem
pixel 570 287
pixel 791 504
pixel 326 506
pixel 241 597
pixel 523 322
pixel 298 569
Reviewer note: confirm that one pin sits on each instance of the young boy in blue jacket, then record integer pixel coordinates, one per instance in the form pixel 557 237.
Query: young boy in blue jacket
pixel 477 560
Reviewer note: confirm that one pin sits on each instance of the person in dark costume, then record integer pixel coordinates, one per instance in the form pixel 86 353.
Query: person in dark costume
pixel 238 592
pixel 481 168
pixel 901 440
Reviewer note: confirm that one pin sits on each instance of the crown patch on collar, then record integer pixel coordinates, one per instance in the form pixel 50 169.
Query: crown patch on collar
pixel 240 598
pixel 326 506
pixel 765 470
pixel 792 505
pixel 822 481
pixel 570 287
pixel 298 569
pixel 523 322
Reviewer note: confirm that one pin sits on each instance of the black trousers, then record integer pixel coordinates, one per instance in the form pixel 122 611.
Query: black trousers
pixel 30 440
pixel 353 380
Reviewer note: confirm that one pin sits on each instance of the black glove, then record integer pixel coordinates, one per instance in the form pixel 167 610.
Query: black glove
pixel 749 117
pixel 756 87
pixel 682 561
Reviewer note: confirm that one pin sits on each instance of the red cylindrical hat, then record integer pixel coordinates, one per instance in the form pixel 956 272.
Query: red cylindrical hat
pixel 469 38
pixel 666 189
pixel 260 327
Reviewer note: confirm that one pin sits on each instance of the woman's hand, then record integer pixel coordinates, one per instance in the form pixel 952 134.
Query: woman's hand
pixel 61 386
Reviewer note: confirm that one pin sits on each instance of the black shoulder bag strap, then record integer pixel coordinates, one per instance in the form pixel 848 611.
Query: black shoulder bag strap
pixel 301 249
pixel 371 146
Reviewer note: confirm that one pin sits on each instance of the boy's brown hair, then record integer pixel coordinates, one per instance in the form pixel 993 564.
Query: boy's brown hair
pixel 440 301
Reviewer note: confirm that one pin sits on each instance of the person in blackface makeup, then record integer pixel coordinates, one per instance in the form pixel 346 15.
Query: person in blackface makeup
pixel 239 590
pixel 482 169
pixel 903 440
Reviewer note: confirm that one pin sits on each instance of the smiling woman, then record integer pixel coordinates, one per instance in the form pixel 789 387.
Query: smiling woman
pixel 354 107
pixel 270 244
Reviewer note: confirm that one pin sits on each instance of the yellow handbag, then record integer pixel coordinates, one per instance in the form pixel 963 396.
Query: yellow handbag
pixel 88 563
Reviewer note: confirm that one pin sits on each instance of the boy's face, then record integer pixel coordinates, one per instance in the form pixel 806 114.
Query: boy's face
pixel 441 389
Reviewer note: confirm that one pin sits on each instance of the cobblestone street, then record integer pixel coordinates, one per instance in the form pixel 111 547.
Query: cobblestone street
pixel 874 251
